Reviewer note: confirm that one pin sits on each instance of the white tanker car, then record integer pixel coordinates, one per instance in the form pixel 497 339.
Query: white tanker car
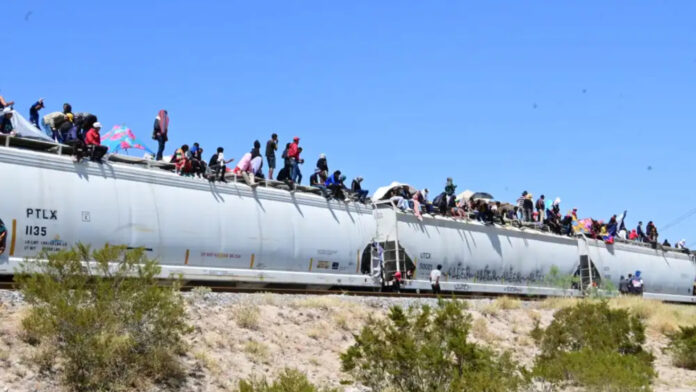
pixel 270 236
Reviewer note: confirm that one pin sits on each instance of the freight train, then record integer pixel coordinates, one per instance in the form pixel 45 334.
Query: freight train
pixel 272 235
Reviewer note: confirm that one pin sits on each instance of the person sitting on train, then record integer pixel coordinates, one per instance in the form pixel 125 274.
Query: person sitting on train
pixel 356 188
pixel 198 165
pixel 651 231
pixel 6 127
pixel 420 199
pixel 335 185
pixel 317 180
pixel 218 165
pixel 681 244
pixel 93 142
pixel 440 203
pixel 567 225
pixel 322 165
pixel 633 236
pixel 453 207
pixel 182 165
pixel 399 197
pixel 256 150
pixel 666 243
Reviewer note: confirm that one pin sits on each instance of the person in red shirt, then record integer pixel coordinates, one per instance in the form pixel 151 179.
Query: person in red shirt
pixel 93 141
pixel 294 157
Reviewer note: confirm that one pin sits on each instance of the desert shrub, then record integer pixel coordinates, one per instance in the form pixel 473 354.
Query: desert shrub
pixel 562 281
pixel 111 323
pixel 289 380
pixel 682 346
pixel 596 347
pixel 248 316
pixel 427 350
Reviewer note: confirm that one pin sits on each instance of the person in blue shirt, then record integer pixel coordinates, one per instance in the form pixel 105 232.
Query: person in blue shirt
pixel 34 112
pixel 335 185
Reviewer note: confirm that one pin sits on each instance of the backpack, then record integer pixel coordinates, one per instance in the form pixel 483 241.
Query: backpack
pixel 53 120
pixel 440 201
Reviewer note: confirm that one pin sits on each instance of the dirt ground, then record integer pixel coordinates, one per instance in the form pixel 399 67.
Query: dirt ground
pixel 241 335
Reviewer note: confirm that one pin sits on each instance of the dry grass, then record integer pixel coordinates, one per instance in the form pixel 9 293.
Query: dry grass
pixel 207 362
pixel 556 303
pixel 479 328
pixel 658 316
pixel 258 351
pixel 247 316
pixel 325 302
pixel 501 303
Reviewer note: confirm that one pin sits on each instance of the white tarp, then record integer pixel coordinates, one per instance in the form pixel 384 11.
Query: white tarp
pixel 381 192
pixel 26 129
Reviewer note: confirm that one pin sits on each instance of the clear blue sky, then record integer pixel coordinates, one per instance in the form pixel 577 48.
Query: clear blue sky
pixel 569 99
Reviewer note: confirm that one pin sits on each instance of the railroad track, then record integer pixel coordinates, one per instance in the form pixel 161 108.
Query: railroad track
pixel 9 285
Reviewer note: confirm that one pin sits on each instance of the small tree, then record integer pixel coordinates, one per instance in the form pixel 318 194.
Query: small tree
pixel 682 346
pixel 289 380
pixel 110 322
pixel 427 350
pixel 596 347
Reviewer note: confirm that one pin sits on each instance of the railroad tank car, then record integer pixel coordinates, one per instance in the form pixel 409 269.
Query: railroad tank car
pixel 268 235
pixel 489 258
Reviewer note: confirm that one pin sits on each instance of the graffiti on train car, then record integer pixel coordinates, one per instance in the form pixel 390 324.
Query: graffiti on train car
pixel 486 274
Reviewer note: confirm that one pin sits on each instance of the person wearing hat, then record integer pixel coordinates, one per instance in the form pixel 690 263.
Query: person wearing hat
pixel 6 127
pixel 528 207
pixel 34 112
pixel 335 184
pixel 356 188
pixel 93 141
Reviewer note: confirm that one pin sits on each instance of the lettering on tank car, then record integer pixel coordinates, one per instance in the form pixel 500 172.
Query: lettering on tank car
pixel 86 216
pixel 326 252
pixel 512 289
pixel 334 265
pixel 425 266
pixel 220 255
pixel 462 287
pixel 461 272
pixel 425 256
pixel 42 213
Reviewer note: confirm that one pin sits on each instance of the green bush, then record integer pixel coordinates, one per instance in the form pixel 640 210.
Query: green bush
pixel 427 350
pixel 554 278
pixel 111 323
pixel 682 346
pixel 596 347
pixel 290 380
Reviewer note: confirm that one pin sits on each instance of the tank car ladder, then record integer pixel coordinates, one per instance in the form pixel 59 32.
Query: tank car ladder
pixel 585 265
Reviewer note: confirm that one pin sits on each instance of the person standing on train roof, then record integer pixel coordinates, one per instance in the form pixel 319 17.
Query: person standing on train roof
pixel 640 232
pixel 541 208
pixel 450 187
pixel 271 147
pixel 435 275
pixel 159 132
pixel 294 157
pixel 34 112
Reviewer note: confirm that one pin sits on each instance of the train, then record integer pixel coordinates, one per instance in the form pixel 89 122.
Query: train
pixel 270 234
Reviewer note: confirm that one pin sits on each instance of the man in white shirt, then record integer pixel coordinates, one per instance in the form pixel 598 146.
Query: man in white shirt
pixel 435 275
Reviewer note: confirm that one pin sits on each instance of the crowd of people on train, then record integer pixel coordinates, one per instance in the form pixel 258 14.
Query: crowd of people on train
pixel 525 212
pixel 82 132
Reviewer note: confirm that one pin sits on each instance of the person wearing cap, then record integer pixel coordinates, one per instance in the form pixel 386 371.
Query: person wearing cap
pixel 322 165
pixel 34 112
pixel 335 184
pixel 93 142
pixel 271 147
pixel 356 188
pixel 6 127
